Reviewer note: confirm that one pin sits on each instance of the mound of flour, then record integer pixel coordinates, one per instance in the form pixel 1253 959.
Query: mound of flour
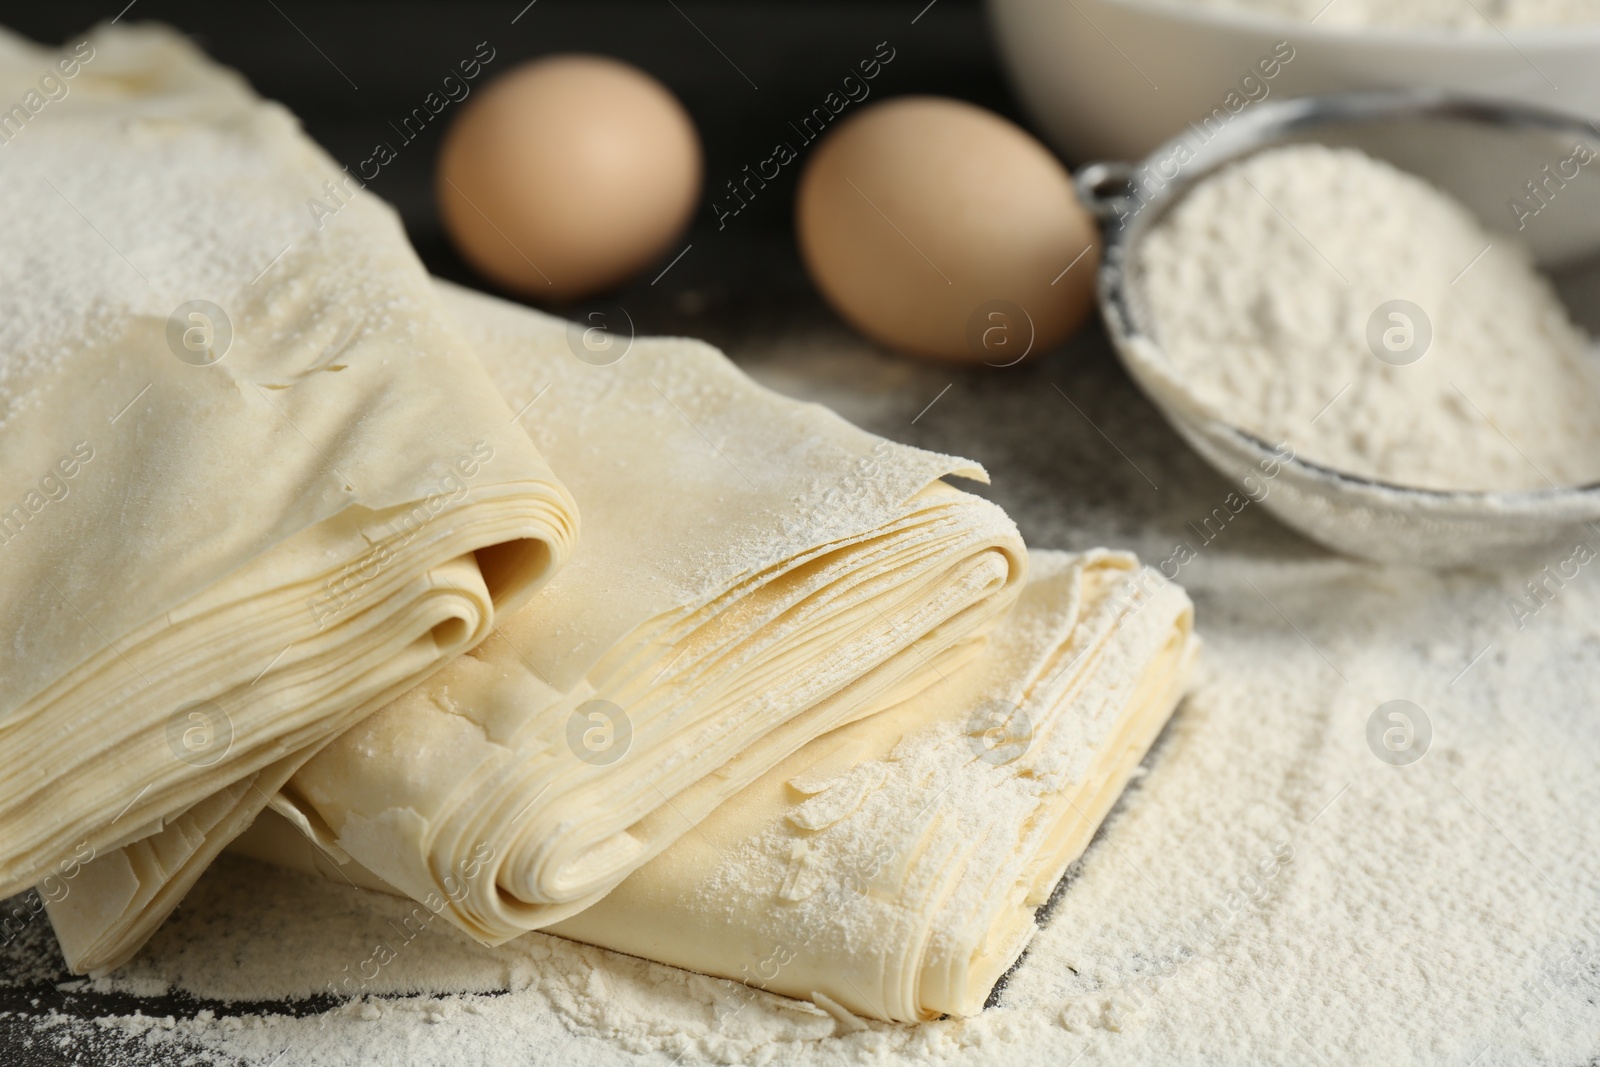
pixel 1296 293
pixel 1484 15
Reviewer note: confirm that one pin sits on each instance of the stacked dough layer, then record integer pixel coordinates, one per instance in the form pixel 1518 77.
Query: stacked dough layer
pixel 893 867
pixel 771 646
pixel 752 572
pixel 708 639
pixel 236 548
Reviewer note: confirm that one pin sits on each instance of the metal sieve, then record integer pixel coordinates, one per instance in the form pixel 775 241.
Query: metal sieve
pixel 1483 154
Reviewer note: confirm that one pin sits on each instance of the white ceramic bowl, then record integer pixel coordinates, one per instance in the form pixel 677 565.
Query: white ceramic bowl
pixel 1112 79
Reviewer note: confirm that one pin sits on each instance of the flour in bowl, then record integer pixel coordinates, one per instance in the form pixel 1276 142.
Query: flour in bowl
pixel 1324 298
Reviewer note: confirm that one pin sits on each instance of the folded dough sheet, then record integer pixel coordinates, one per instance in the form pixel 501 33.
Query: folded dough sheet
pixel 253 484
pixel 753 572
pixel 893 867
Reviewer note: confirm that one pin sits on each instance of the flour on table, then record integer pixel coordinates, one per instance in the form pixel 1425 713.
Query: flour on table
pixel 1269 891
pixel 1263 281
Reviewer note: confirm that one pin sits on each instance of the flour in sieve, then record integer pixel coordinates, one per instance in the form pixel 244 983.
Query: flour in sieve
pixel 1265 283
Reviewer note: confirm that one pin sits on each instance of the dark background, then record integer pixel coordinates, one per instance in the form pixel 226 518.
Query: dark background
pixel 349 69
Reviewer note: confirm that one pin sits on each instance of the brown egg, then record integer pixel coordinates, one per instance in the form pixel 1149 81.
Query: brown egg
pixel 941 229
pixel 568 175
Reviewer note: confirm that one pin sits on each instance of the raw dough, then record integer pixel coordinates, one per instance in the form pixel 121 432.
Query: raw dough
pixel 278 541
pixel 894 866
pixel 753 572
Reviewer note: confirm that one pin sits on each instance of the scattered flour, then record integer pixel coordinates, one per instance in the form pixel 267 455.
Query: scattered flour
pixel 1264 281
pixel 1269 891
pixel 1484 15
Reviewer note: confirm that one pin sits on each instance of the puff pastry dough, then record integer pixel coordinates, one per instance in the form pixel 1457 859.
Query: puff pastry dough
pixel 894 866
pixel 753 571
pixel 213 565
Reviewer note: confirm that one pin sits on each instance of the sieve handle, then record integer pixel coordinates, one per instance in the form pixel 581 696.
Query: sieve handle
pixel 1106 189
